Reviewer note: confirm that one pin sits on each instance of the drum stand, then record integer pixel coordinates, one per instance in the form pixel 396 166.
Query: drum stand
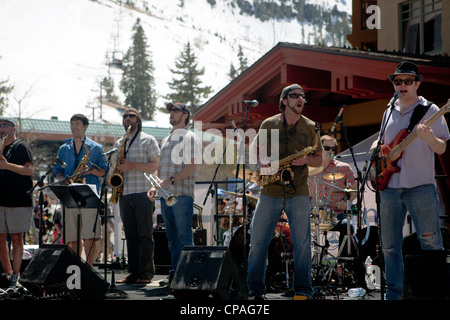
pixel 322 273
pixel 348 238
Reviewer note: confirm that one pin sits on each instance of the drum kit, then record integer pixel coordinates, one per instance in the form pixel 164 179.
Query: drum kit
pixel 323 219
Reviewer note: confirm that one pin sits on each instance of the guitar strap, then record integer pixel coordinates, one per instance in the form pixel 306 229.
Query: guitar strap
pixel 418 114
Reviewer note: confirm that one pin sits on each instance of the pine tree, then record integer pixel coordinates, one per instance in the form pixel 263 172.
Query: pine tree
pixel 5 89
pixel 233 72
pixel 137 80
pixel 187 86
pixel 243 62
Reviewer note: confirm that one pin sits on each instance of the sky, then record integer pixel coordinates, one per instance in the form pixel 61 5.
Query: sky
pixel 57 52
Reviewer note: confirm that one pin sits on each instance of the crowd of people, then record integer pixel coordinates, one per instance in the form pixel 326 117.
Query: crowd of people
pixel 83 161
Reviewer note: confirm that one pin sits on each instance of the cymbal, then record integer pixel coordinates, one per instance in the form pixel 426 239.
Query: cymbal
pixel 333 176
pixel 239 195
pixel 314 170
pixel 344 191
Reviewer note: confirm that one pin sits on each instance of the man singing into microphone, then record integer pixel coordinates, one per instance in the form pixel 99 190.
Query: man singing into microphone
pixel 413 189
pixel 71 153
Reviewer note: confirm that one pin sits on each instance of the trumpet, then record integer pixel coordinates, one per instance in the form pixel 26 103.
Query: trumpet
pixel 171 199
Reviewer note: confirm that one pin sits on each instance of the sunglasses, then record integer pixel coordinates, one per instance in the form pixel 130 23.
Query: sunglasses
pixel 296 95
pixel 408 82
pixel 327 148
pixel 131 115
pixel 5 125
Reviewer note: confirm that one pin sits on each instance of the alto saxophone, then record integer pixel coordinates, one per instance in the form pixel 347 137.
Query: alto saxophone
pixel 116 178
pixel 284 165
pixel 80 166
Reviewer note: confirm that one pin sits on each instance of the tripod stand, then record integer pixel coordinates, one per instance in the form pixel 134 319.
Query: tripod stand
pixel 324 272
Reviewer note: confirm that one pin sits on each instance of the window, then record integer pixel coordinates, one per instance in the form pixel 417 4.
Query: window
pixel 421 30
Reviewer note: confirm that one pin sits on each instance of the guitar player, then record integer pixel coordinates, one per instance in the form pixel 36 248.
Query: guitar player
pixel 413 187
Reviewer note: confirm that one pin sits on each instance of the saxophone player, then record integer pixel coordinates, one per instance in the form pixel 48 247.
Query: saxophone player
pixel 139 154
pixel 76 153
pixel 296 132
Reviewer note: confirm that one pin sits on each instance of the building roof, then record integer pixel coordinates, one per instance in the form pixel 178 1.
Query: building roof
pixel 40 126
pixel 331 78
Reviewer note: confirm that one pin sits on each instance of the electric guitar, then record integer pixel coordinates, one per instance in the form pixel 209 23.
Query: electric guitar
pixel 386 166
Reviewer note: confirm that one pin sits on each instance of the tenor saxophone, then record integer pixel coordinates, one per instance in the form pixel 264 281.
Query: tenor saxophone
pixel 284 164
pixel 116 178
pixel 80 166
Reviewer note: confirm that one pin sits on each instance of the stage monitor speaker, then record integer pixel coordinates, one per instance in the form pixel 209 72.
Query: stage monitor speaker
pixel 56 270
pixel 426 275
pixel 207 273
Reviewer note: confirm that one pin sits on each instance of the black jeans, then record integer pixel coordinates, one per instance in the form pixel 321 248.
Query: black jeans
pixel 136 212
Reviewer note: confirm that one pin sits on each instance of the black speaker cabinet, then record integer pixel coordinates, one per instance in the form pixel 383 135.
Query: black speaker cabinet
pixel 426 275
pixel 162 253
pixel 207 273
pixel 56 270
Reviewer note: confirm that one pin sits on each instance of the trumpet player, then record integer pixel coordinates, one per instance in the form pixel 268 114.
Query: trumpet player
pixel 177 176
pixel 139 153
pixel 77 153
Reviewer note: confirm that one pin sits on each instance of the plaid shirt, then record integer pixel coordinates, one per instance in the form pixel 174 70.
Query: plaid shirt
pixel 143 149
pixel 325 191
pixel 173 161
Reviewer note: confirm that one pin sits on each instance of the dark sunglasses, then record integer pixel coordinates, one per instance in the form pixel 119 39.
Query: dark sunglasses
pixel 131 115
pixel 6 125
pixel 296 95
pixel 408 82
pixel 327 148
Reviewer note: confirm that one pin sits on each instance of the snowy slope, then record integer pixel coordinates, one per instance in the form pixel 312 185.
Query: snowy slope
pixel 56 52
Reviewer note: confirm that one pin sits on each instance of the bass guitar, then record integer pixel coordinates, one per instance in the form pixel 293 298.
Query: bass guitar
pixel 386 166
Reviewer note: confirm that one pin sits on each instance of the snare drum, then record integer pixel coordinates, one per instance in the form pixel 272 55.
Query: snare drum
pixel 324 218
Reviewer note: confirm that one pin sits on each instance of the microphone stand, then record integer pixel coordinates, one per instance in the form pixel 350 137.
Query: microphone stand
pixel 244 195
pixel 359 196
pixel 210 188
pixel 375 160
pixel 112 290
pixel 40 183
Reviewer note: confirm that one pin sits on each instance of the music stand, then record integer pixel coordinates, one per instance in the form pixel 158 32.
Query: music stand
pixel 77 196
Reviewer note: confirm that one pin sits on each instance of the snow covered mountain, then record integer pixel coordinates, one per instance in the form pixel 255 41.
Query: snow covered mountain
pixel 56 53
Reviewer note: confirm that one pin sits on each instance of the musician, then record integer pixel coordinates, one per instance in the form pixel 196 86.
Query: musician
pixel 141 154
pixel 177 176
pixel 413 189
pixel 296 132
pixel 16 206
pixel 324 186
pixel 72 153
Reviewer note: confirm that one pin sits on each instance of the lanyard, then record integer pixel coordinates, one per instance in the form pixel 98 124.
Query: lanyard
pixel 129 146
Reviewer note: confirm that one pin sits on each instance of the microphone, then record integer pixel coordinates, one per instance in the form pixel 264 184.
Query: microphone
pixel 111 152
pixel 337 119
pixel 394 98
pixel 234 124
pixel 93 165
pixel 61 163
pixel 253 103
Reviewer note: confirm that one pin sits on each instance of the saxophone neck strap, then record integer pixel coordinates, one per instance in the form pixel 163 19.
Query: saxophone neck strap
pixel 125 151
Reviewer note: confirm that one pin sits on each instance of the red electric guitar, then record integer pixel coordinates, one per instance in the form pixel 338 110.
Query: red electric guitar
pixel 391 153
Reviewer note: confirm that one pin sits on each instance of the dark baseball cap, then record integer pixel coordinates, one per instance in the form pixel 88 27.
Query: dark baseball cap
pixel 8 120
pixel 178 106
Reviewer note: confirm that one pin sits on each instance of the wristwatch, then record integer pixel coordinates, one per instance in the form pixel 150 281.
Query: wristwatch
pixel 172 179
